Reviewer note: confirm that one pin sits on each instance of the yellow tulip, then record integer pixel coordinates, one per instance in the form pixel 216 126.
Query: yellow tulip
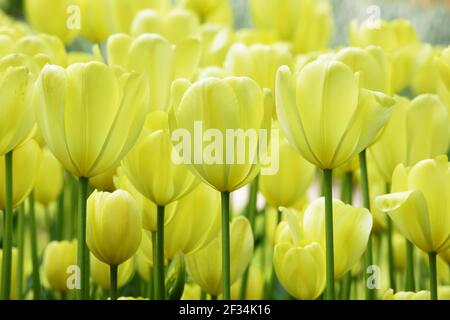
pixel 49 180
pixel 154 174
pixel 57 23
pixel 426 78
pixel 177 25
pixel 191 292
pixel 399 245
pixel 59 256
pixel 445 255
pixel 26 162
pixel 211 11
pixel 195 223
pixel 255 285
pixel 143 266
pixel 220 105
pixel 105 180
pixel 352 227
pixel 17 118
pixel 113 231
pixel 13 271
pixel 292 180
pixel 324 114
pixel 205 265
pixel 69 103
pixel 443 64
pixel 43 49
pixel 306 23
pixel 417 204
pixel 96 23
pixel 158 59
pixel 216 41
pixel 100 272
pixel 427 127
pixel 255 36
pixel 402 295
pixel 259 62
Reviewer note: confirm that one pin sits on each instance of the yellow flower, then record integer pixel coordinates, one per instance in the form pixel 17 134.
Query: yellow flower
pixel 105 180
pixel 426 78
pixel 399 245
pixel 255 285
pixel 292 180
pixel 161 61
pixel 443 64
pixel 26 162
pixel 17 118
pixel 113 231
pixel 418 203
pixel 13 271
pixel 324 114
pixel 216 41
pixel 100 273
pixel 177 25
pixel 143 266
pixel 300 268
pixel 150 168
pixel 220 105
pixel 50 179
pixel 403 295
pixel 43 49
pixel 211 11
pixel 57 23
pixel 195 223
pixel 90 115
pixel 352 228
pixel 205 265
pixel 59 256
pixel 191 292
pixel 305 23
pixel 445 255
pixel 96 23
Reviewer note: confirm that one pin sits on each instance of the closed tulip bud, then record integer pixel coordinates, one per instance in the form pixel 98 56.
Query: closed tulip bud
pixel 154 174
pixel 443 64
pixel 43 49
pixel 58 24
pixel 81 95
pixel 100 273
pixel 300 268
pixel 426 78
pixel 177 25
pixel 96 24
pixel 324 114
pixel 259 62
pixel 212 105
pixel 49 180
pixel 144 268
pixel 13 271
pixel 17 118
pixel 305 23
pixel 211 11
pixel 26 162
pixel 352 227
pixel 59 256
pixel 427 127
pixel 114 226
pixel 216 41
pixel 255 285
pixel 292 180
pixel 403 295
pixel 105 180
pixel 195 223
pixel 161 61
pixel 205 265
pixel 417 204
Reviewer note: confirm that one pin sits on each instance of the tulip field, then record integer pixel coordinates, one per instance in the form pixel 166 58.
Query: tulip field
pixel 223 150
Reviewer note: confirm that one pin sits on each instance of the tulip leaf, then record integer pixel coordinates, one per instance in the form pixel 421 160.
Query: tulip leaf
pixel 176 278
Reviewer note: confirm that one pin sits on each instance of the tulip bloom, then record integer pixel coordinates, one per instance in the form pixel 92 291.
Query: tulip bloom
pixel 49 180
pixel 59 257
pixel 402 295
pixel 105 180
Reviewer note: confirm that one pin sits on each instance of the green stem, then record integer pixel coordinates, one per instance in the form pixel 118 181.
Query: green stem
pixel 391 253
pixel 347 188
pixel 60 217
pixel 20 249
pixel 151 283
pixel 160 284
pixel 268 293
pixel 251 215
pixel 203 295
pixel 83 252
pixel 36 281
pixel 433 276
pixel 328 192
pixel 155 259
pixel 410 284
pixel 370 293
pixel 226 245
pixel 7 228
pixel 113 269
pixel 347 286
pixel 213 297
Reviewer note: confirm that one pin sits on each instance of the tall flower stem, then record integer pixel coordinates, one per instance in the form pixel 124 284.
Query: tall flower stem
pixel 389 231
pixel 36 281
pixel 113 279
pixel 251 215
pixel 83 252
pixel 7 228
pixel 20 249
pixel 273 277
pixel 433 275
pixel 410 283
pixel 347 197
pixel 155 259
pixel 159 266
pixel 226 245
pixel 370 294
pixel 60 217
pixel 328 193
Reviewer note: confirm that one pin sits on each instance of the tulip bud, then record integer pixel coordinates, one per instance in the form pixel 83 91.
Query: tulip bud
pixel 44 49
pixel 100 273
pixel 26 163
pixel 402 295
pixel 13 271
pixel 58 258
pixel 205 265
pixel 105 180
pixel 114 226
pixel 49 181
pixel 216 41
pixel 255 285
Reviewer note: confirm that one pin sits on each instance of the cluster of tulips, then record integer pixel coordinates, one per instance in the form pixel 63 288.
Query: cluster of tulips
pixel 95 207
